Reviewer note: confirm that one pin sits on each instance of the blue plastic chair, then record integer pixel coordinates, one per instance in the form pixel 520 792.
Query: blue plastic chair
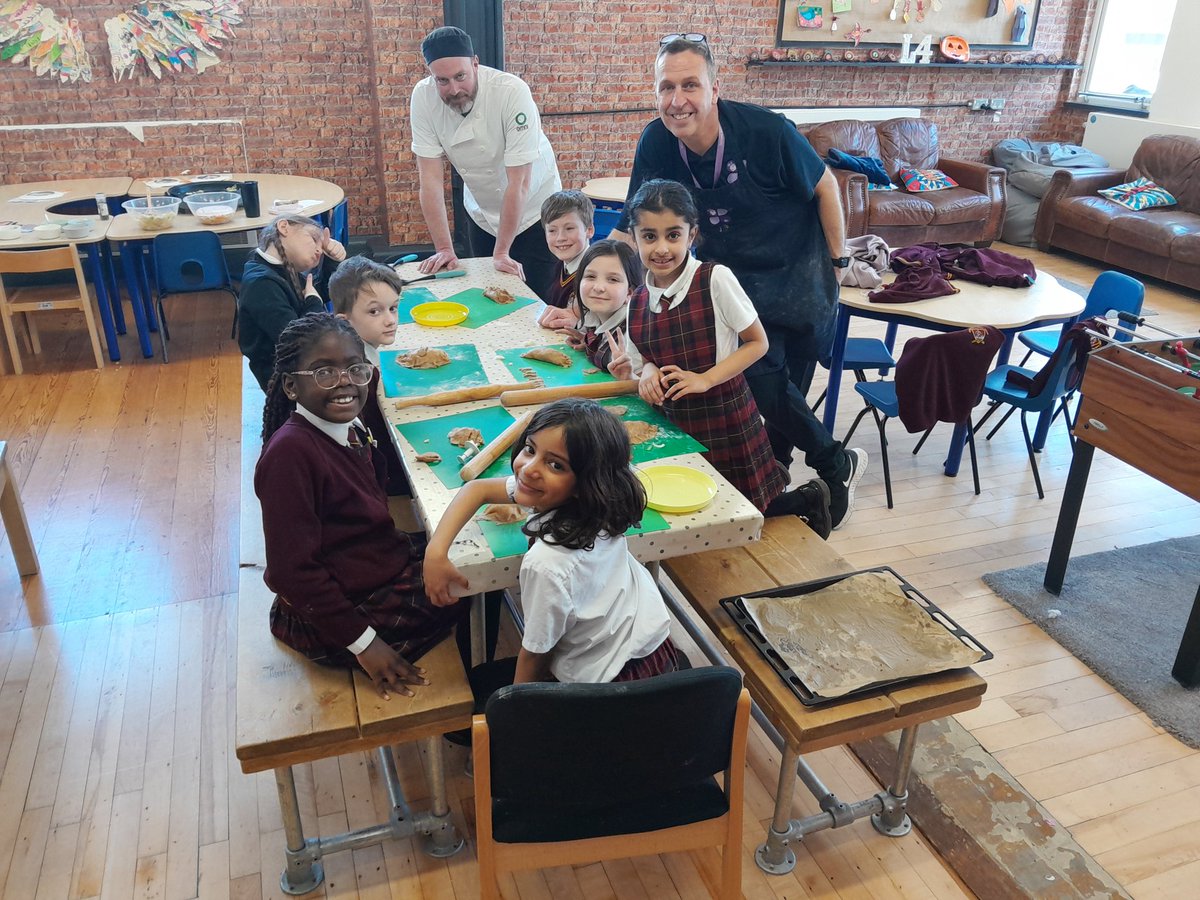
pixel 1111 292
pixel 861 354
pixel 186 264
pixel 882 403
pixel 603 222
pixel 1052 397
pixel 339 222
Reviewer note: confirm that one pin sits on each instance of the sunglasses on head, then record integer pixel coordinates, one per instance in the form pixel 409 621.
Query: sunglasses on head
pixel 694 36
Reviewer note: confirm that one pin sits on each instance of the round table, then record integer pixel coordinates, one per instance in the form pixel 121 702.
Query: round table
pixel 1045 302
pixel 322 196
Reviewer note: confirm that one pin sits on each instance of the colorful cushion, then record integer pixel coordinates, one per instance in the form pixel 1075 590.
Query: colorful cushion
pixel 1140 194
pixel 918 180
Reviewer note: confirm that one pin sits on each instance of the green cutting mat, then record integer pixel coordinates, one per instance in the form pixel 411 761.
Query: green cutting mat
pixel 463 370
pixel 409 298
pixel 554 376
pixel 509 540
pixel 482 310
pixel 429 435
pixel 670 440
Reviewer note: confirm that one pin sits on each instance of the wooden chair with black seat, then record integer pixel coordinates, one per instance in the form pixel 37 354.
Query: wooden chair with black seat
pixel 579 773
pixel 39 298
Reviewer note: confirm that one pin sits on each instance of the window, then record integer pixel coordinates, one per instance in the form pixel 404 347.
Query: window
pixel 1126 51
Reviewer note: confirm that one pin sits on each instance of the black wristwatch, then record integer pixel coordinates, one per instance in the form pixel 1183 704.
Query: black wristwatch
pixel 840 262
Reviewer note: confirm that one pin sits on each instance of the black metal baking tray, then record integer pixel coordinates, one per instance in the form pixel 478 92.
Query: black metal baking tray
pixel 737 611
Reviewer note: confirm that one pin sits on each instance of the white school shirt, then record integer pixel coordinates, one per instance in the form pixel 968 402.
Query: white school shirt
pixel 502 129
pixel 733 312
pixel 596 609
pixel 340 433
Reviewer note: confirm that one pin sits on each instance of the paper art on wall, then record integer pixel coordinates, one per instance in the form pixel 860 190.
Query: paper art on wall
pixel 171 35
pixel 809 16
pixel 52 46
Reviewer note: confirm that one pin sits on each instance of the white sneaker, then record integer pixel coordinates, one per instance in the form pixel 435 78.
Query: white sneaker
pixel 858 468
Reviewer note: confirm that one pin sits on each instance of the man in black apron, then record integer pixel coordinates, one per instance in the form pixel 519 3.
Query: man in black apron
pixel 771 212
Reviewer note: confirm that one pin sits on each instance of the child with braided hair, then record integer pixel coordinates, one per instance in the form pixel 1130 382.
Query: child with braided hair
pixel 349 588
pixel 275 288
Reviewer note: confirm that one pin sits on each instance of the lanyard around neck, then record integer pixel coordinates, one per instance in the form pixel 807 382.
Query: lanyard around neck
pixel 716 163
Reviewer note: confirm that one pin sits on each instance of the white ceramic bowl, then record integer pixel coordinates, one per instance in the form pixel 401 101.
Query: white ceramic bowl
pixel 48 231
pixel 76 228
pixel 213 207
pixel 10 232
pixel 153 213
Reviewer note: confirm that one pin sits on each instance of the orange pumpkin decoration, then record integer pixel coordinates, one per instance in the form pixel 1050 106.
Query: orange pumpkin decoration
pixel 956 48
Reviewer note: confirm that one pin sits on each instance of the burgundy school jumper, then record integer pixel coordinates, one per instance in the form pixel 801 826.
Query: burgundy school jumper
pixel 725 418
pixel 334 557
pixel 564 288
pixel 595 345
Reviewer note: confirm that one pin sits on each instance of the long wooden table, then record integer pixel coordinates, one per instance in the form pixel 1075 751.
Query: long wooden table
pixel 789 553
pixel 1011 310
pixel 730 520
pixel 1132 409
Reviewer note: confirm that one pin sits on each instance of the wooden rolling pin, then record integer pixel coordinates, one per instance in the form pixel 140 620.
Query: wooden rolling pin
pixel 492 450
pixel 463 395
pixel 545 395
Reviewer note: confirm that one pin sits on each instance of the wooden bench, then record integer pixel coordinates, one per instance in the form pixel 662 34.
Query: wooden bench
pixel 13 514
pixel 789 553
pixel 291 711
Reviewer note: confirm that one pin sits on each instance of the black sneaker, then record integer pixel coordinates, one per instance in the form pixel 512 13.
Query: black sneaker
pixel 810 502
pixel 841 504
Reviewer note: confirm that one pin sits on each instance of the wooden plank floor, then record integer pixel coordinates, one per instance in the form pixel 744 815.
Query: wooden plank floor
pixel 116 679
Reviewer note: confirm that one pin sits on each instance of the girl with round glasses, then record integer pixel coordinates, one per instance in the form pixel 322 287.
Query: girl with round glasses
pixel 348 585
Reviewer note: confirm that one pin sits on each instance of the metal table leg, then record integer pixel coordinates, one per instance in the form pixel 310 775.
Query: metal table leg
pixel 302 873
pixel 893 820
pixel 478 629
pixel 103 301
pixel 441 838
pixel 133 284
pixel 774 855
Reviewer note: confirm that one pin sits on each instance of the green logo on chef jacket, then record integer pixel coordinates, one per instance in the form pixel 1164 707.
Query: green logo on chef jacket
pixel 521 119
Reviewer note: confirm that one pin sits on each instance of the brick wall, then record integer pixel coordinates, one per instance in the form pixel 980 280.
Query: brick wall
pixel 322 88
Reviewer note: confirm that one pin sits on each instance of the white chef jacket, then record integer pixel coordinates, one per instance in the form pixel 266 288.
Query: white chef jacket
pixel 502 129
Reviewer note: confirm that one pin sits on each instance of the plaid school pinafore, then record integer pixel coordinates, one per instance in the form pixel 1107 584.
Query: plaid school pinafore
pixel 725 419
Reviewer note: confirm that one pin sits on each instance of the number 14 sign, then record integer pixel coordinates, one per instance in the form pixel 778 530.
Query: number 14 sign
pixel 922 53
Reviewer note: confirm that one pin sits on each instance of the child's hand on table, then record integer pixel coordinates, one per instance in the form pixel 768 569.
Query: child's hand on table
pixel 573 337
pixel 440 575
pixel 387 669
pixel 650 386
pixel 681 382
pixel 555 318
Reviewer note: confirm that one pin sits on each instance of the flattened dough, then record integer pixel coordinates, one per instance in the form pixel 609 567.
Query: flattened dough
pixel 499 295
pixel 425 358
pixel 617 411
pixel 429 457
pixel 460 436
pixel 640 432
pixel 503 513
pixel 549 355
pixel 856 632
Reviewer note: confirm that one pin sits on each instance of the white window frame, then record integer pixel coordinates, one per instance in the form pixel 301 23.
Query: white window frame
pixel 1136 103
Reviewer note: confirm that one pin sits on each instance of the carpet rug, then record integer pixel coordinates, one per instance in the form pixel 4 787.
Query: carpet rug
pixel 1122 612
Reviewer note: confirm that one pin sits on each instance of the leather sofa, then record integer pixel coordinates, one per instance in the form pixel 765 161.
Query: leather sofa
pixel 972 213
pixel 1163 242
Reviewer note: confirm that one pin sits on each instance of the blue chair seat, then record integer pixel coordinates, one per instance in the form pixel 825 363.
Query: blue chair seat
pixel 881 395
pixel 1042 340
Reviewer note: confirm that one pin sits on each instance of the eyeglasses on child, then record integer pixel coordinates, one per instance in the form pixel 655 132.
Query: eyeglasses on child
pixel 329 377
pixel 694 36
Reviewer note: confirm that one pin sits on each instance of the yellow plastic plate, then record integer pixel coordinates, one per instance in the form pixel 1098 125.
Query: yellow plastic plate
pixel 675 489
pixel 439 313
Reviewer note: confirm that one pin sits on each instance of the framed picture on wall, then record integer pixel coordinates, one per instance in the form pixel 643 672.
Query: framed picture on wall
pixel 831 22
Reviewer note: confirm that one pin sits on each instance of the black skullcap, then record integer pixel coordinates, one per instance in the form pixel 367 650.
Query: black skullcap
pixel 446 41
